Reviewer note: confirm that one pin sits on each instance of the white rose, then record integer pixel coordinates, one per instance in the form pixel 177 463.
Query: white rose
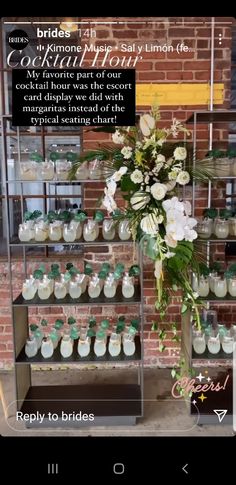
pixel 158 191
pixel 118 138
pixel 180 153
pixel 139 200
pixel 147 123
pixel 137 177
pixel 126 152
pixel 173 174
pixel 149 224
pixel 160 158
pixel 183 178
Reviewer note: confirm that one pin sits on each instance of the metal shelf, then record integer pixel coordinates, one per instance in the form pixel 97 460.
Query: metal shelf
pixel 217 240
pixel 84 299
pixel 76 359
pixel 218 116
pixel 54 182
pixel 79 242
pixel 112 404
pixel 212 297
pixel 208 356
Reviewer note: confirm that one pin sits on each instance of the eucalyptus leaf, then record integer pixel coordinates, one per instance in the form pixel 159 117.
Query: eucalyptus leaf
pixel 44 322
pixel 135 323
pixel 87 268
pixel 58 324
pixel 81 216
pixel 92 322
pixel 120 327
pixel 105 324
pixel 134 270
pixel 74 333
pixel 38 274
pixel 91 332
pixel 71 321
pixel 33 327
pixel 98 216
pixel 154 327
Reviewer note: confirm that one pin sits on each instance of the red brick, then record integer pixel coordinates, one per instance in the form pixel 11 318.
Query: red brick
pixel 126 34
pixel 151 76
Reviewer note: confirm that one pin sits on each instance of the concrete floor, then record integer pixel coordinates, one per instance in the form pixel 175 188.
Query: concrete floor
pixel 163 415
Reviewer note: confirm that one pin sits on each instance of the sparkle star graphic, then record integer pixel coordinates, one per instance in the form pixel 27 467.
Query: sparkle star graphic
pixel 208 379
pixel 200 377
pixel 194 402
pixel 202 397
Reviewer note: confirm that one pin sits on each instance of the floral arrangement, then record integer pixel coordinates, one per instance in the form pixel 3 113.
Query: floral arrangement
pixel 150 171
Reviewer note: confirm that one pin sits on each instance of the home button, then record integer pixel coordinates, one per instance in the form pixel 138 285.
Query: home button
pixel 119 468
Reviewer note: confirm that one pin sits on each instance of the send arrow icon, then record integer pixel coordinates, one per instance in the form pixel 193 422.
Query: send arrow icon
pixel 220 414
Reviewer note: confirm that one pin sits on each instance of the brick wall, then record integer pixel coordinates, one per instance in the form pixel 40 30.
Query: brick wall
pixel 164 67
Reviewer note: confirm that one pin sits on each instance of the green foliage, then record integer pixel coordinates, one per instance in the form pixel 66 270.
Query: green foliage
pixel 44 322
pixel 210 212
pixel 71 321
pixel 58 324
pixel 204 269
pixel 92 322
pixel 134 270
pixel 87 268
pixel 33 327
pixel 183 255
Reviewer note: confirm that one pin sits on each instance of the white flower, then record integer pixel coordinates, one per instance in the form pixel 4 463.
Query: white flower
pixel 108 201
pixel 173 203
pixel 148 188
pixel 139 200
pixel 147 123
pixel 158 191
pixel 173 174
pixel 161 141
pixel 149 224
pixel 169 162
pixel 111 187
pixel 157 168
pixel 126 152
pixel 189 234
pixel 137 177
pixel 175 230
pixel 180 153
pixel 154 152
pixel 187 208
pixel 123 170
pixel 169 254
pixel 160 158
pixel 158 269
pixel 138 144
pixel 170 241
pixel 118 138
pixel 118 174
pixel 183 178
pixel 147 178
pixel 170 185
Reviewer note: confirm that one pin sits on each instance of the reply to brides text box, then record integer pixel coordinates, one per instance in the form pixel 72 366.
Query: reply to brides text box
pixel 70 97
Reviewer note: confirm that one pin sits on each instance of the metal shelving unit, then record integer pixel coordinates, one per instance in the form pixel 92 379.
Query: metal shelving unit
pixel 222 362
pixel 111 404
